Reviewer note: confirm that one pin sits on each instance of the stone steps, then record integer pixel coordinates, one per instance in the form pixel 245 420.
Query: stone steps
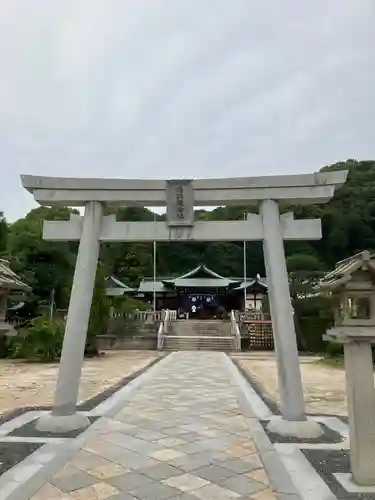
pixel 199 335
pixel 203 333
pixel 198 343
pixel 201 327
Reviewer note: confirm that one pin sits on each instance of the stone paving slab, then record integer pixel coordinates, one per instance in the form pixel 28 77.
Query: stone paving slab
pixel 182 435
pixel 185 429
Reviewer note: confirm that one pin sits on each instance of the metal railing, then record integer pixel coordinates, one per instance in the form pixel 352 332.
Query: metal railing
pixel 235 330
pixel 166 319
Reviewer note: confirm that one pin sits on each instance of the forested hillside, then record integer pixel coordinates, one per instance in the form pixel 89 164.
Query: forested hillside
pixel 348 227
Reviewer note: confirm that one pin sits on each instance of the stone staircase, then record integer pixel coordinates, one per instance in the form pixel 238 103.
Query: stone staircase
pixel 199 335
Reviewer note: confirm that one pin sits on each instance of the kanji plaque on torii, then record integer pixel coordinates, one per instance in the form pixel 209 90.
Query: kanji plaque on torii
pixel 180 202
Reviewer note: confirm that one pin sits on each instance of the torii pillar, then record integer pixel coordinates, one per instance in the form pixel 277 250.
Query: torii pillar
pixel 293 421
pixel 64 416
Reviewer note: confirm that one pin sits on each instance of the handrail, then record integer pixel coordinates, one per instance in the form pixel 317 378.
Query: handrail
pixel 160 336
pixel 235 330
pixel 167 317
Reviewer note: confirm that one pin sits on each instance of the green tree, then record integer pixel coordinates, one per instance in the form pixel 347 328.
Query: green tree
pixel 99 313
pixel 41 340
pixel 44 265
pixel 3 233
pixel 304 272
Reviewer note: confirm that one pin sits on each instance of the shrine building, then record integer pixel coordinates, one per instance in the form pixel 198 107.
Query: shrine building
pixel 200 290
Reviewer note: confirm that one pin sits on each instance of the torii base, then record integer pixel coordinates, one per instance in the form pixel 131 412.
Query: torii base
pixel 304 429
pixel 61 424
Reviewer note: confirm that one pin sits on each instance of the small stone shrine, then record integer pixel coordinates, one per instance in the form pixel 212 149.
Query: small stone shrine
pixel 352 284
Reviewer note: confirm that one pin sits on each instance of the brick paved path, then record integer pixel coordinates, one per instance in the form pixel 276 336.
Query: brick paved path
pixel 181 435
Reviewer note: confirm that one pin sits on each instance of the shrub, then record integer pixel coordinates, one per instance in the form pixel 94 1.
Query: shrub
pixel 41 341
pixel 334 350
pixel 315 316
pixel 3 346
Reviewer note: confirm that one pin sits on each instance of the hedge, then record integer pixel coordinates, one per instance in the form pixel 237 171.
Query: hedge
pixel 315 315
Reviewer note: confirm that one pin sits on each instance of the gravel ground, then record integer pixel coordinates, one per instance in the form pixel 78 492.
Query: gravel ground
pixel 24 384
pixel 13 453
pixel 324 386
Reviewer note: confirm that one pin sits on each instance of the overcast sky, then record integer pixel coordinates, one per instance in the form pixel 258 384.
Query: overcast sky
pixel 182 88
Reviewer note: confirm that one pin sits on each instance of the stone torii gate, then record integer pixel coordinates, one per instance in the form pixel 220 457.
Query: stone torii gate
pixel 180 196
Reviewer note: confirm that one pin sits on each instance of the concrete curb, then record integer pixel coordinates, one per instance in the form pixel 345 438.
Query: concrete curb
pixel 278 475
pixel 249 401
pixel 28 484
pixel 256 387
pixel 304 475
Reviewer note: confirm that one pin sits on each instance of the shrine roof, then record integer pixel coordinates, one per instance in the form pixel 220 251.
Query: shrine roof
pixel 9 280
pixel 201 271
pixel 116 287
pixel 150 286
pixel 251 282
pixel 199 277
pixel 201 282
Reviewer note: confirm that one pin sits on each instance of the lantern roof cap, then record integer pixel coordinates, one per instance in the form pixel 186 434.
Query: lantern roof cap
pixel 344 269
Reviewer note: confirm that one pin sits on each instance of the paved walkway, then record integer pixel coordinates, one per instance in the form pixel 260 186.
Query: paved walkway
pixel 186 432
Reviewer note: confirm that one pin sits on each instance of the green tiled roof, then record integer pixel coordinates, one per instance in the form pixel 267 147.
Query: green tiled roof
pixel 151 286
pixel 203 282
pixel 201 269
pixel 251 282
pixel 194 279
pixel 115 287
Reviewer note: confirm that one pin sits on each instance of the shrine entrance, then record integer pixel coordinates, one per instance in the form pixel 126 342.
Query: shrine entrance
pixel 179 197
pixel 202 306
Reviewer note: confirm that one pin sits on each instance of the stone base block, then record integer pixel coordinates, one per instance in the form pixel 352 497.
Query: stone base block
pixel 305 429
pixel 347 481
pixel 60 424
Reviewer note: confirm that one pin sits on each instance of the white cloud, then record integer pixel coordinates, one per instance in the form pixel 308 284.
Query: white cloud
pixel 203 88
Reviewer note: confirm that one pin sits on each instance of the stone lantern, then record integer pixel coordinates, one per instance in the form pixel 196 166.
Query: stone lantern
pixel 352 284
pixel 8 281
